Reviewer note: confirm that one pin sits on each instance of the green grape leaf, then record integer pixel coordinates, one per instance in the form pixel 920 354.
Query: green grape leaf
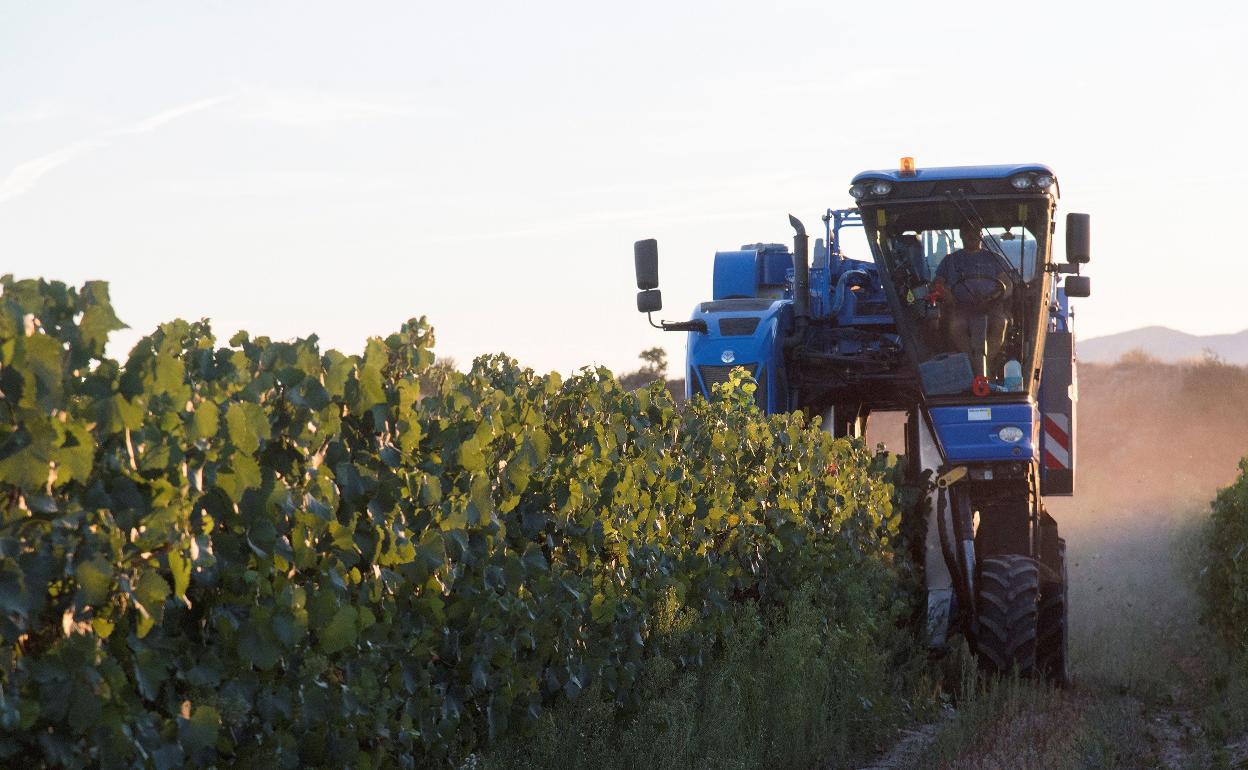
pixel 180 567
pixel 150 672
pixel 247 424
pixel 200 731
pixel 151 592
pixel 94 578
pixel 470 457
pixel 102 627
pixel 257 644
pixel 12 588
pixel 289 628
pixel 26 455
pixel 243 474
pixel 117 414
pixel 205 422
pixel 97 321
pixel 170 375
pixel 44 361
pixel 371 392
pixel 340 632
pixel 76 455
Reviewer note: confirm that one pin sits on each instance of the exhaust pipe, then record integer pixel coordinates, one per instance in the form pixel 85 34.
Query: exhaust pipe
pixel 801 275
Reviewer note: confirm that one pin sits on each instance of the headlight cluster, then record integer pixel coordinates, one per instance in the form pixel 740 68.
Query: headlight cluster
pixel 1010 434
pixel 876 188
pixel 1030 181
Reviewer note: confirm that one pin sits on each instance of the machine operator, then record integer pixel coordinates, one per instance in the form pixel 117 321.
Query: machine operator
pixel 975 281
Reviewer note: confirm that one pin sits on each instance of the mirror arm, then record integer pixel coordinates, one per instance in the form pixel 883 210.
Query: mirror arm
pixel 679 326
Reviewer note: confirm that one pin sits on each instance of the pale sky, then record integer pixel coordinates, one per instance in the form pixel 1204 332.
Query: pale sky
pixel 336 168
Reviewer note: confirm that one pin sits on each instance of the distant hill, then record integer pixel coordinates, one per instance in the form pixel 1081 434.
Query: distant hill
pixel 1166 345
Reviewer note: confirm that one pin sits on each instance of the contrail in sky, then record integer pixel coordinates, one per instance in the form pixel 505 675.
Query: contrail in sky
pixel 170 115
pixel 27 174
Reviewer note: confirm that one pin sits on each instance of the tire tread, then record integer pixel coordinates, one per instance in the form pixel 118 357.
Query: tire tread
pixel 1008 612
pixel 1051 640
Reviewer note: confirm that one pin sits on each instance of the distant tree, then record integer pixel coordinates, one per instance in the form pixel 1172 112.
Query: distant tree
pixel 1138 357
pixel 655 360
pixel 654 367
pixel 1210 357
pixel 431 379
pixel 1213 378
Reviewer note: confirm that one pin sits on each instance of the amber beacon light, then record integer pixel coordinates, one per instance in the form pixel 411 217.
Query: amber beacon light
pixel 907 166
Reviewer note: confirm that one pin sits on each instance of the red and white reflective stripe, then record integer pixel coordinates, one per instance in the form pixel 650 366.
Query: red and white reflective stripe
pixel 1056 441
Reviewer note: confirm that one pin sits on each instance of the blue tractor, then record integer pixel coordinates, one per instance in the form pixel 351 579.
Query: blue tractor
pixel 960 320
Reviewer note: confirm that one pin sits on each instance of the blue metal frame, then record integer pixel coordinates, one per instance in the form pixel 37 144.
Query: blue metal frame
pixel 833 221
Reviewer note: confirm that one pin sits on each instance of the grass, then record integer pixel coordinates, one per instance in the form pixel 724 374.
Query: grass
pixel 1010 722
pixel 778 696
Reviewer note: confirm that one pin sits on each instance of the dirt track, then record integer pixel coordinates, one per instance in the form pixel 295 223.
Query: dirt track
pixel 1151 690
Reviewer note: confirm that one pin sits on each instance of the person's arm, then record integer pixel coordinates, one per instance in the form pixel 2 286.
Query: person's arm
pixel 1005 274
pixel 939 291
pixel 940 284
pixel 1007 279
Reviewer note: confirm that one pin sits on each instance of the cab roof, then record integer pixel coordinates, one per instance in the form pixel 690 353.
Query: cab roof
pixel 953 173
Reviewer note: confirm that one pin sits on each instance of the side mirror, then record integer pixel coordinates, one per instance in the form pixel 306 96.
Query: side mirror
pixel 1077 285
pixel 646 260
pixel 649 301
pixel 1078 239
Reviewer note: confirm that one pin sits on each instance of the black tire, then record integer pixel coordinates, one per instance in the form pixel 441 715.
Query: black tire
pixel 1053 631
pixel 1008 609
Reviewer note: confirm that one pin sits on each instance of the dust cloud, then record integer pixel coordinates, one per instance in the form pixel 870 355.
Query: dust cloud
pixel 1156 442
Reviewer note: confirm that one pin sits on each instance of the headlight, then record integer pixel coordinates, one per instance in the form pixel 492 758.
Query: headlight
pixel 1010 434
pixel 858 191
pixel 1021 182
pixel 881 188
pixel 1044 181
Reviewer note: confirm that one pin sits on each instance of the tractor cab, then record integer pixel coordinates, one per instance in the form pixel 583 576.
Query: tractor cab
pixel 964 256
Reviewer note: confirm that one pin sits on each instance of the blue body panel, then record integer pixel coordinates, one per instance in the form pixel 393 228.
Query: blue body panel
pixel 710 356
pixel 751 272
pixel 736 274
pixel 954 173
pixel 969 433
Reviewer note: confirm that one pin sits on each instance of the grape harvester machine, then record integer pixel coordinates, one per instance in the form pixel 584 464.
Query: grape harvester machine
pixel 980 362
